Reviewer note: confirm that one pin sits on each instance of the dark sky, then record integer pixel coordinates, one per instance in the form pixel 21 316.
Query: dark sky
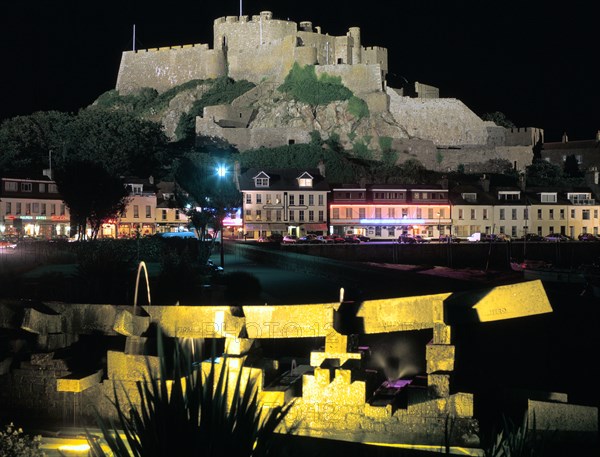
pixel 533 61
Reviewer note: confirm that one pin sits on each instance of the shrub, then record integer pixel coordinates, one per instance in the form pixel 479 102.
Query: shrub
pixel 14 443
pixel 358 107
pixel 201 413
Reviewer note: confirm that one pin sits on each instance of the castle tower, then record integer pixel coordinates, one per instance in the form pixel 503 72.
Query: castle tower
pixel 354 32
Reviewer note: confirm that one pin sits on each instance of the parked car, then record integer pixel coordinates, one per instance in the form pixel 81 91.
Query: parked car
pixel 406 239
pixel 7 244
pixel 289 239
pixel 325 239
pixel 363 238
pixel 588 237
pixel 449 239
pixel 533 237
pixel 421 239
pixel 308 239
pixel 338 239
pixel 351 239
pixel 557 237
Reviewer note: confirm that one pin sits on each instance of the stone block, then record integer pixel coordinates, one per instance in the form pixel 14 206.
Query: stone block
pixel 121 366
pixel 129 324
pixel 77 382
pixel 439 384
pixel 317 358
pixel 556 417
pixel 440 357
pixel 442 333
pixel 35 321
pixel 237 346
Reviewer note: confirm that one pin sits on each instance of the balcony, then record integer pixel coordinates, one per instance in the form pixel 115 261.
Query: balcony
pixel 590 201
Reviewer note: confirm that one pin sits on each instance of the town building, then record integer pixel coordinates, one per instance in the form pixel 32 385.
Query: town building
pixel 586 152
pixel 169 217
pixel 283 201
pixel 386 211
pixel 32 207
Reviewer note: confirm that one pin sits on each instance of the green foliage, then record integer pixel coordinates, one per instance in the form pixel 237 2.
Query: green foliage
pixel 358 107
pixel 361 150
pixel 91 193
pixel 28 141
pixel 499 119
pixel 515 441
pixel 385 143
pixel 122 143
pixel 302 85
pixel 439 157
pixel 15 443
pixel 571 168
pixel 315 138
pixel 544 173
pixel 339 167
pixel 202 413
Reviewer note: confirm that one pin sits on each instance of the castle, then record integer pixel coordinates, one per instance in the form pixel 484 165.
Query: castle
pixel 442 133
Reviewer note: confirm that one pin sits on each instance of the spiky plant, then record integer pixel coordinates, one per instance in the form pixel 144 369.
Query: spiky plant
pixel 516 441
pixel 200 415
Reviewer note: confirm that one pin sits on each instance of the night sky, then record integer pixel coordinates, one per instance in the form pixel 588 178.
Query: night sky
pixel 533 61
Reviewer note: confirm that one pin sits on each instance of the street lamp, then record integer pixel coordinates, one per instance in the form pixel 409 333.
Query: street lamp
pixel 221 173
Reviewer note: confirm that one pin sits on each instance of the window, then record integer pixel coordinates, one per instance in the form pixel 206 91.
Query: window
pixel 28 208
pixel 148 211
pixel 268 197
pixel 419 214
pixel 539 216
pixel 136 188
pixel 136 211
pixel 378 231
pixel 404 212
pixel 551 214
pixel 321 216
pixel 52 209
pixel 277 199
pixel 348 213
pixel 336 213
pixel 321 200
pixel 526 214
pixel 311 216
pixel 417 195
pixel 291 215
pixel 301 199
pixel 261 182
pixel 42 187
pixel 485 214
pixel 502 214
pixel 259 199
pixel 429 213
pixel 311 200
pixel 8 208
pixel 461 214
pixel 177 215
pixel 278 215
pixel 43 213
pixel 258 215
pixel 509 195
pixel 35 208
pixel 301 216
pixel 377 213
pixel 268 215
pixel 305 182
pixel 469 197
pixel 502 229
pixel 595 214
pixel 11 186
pixel 562 214
pixel 248 199
pixel 52 188
pixel 392 213
pixel 164 214
pixel 473 214
pixel 62 209
pixel 513 231
pixel 392 231
pixel 585 214
pixel 513 214
pixel 18 208
pixel 548 197
pixel 572 214
pixel 292 199
pixel 25 187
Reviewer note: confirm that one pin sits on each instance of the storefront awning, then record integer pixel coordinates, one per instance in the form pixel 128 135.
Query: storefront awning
pixel 314 226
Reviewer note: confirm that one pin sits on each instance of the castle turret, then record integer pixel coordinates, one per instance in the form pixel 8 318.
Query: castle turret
pixel 306 26
pixel 354 32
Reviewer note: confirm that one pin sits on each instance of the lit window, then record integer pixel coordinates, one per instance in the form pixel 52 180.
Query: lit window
pixel 25 187
pixel 11 185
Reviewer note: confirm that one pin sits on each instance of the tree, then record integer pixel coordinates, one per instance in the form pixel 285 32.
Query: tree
pixel 571 168
pixel 123 144
pixel 210 191
pixel 544 173
pixel 92 194
pixel 499 119
pixel 28 142
pixel 303 85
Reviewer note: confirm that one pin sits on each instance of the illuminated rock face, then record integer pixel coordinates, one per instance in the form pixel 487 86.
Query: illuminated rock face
pixel 337 394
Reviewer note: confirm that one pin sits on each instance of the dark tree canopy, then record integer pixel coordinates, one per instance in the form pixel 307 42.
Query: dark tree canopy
pixel 28 143
pixel 499 119
pixel 92 194
pixel 544 173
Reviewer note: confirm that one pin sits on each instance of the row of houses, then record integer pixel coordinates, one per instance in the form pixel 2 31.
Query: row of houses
pixel 299 202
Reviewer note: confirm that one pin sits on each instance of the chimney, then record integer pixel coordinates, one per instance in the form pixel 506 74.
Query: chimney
pixel 151 179
pixel 522 181
pixel 565 138
pixel 47 172
pixel 485 183
pixel 321 167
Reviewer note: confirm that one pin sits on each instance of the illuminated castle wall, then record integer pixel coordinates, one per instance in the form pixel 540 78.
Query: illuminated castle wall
pixel 257 48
